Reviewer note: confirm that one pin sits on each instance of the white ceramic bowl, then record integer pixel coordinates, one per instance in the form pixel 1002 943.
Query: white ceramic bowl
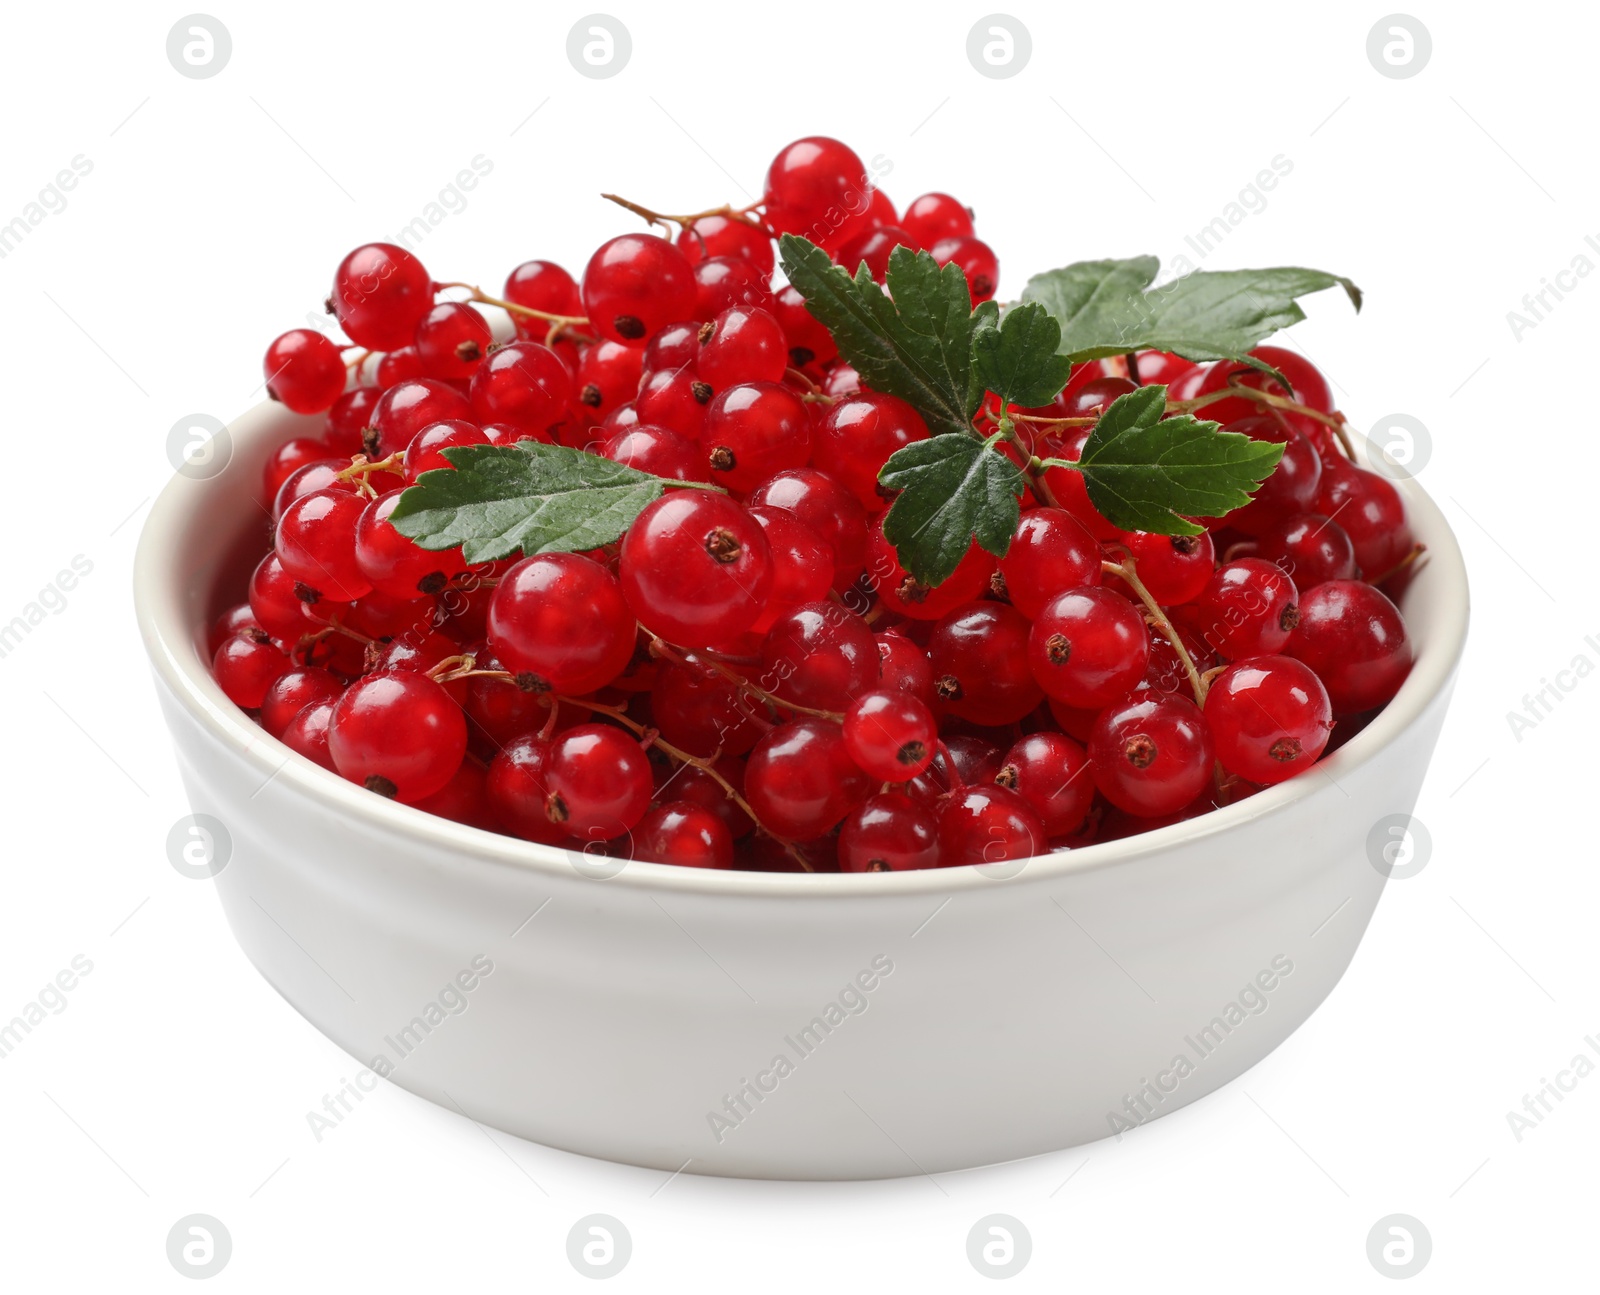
pixel 777 1025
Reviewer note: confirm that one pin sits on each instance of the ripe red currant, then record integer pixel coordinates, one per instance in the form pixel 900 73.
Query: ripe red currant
pixel 819 655
pixel 988 824
pixel 562 618
pixel 452 339
pixel 890 734
pixel 608 375
pixel 809 341
pixel 658 451
pixel 813 186
pixel 979 656
pixel 304 370
pixel 802 565
pixel 905 595
pixel 316 543
pixel 857 437
pixel 934 217
pixel 904 667
pixel 1152 754
pixel 1049 554
pixel 406 408
pixel 1249 607
pixel 1088 647
pixel 723 282
pixel 753 430
pixel 635 284
pixel 518 790
pixel 801 781
pixel 823 504
pixel 683 833
pixel 1173 568
pixel 1310 549
pixel 726 236
pixel 889 832
pixel 543 286
pixel 398 734
pixel 524 384
pixel 394 564
pixel 977 261
pixel 380 294
pixel 675 399
pixel 294 690
pixel 1355 639
pixel 742 344
pixel 1269 717
pixel 246 665
pixel 600 782
pixel 426 451
pixel 1051 772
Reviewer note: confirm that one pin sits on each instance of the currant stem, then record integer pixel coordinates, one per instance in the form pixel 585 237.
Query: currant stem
pixel 740 214
pixel 665 651
pixel 1127 570
pixel 483 298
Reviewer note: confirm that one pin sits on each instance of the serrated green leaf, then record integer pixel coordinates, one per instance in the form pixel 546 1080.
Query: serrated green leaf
pixel 952 488
pixel 1108 307
pixel 1144 472
pixel 529 497
pixel 1015 357
pixel 917 346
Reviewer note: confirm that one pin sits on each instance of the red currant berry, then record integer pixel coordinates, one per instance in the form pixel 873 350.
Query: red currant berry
pixel 1249 607
pixel 1310 549
pixel 742 344
pixel 380 294
pixel 934 217
pixel 349 417
pixel 1051 772
pixel 723 282
pixel 890 734
pixel 1152 754
pixel 451 340
pixel 1088 647
pixel 800 779
pixel 524 384
pixel 304 370
pixel 819 655
pixel 874 247
pixel 542 286
pixel 979 656
pixel 825 505
pixel 288 459
pixel 275 602
pixel 703 713
pixel 230 623
pixel 316 543
pixel 696 568
pixel 1269 717
pixel 1291 487
pixel 518 790
pixel 406 408
pixel 246 665
pixel 426 451
pixel 1049 554
pixel 690 783
pixel 600 782
pixel 324 474
pixel 562 617
pixel 857 437
pixel 401 365
pixel 1355 639
pixel 905 595
pixel 294 690
pixel 1173 568
pixel 497 710
pixel 394 564
pixel 683 833
pixel 634 285
pixel 813 185
pixel 673 347
pixel 675 399
pixel 889 832
pixel 753 430
pixel 904 667
pixel 464 799
pixel 1308 386
pixel 809 341
pixel 977 261
pixel 1372 513
pixel 842 380
pixel 1066 484
pixel 658 451
pixel 307 734
pixel 988 824
pixel 608 375
pixel 726 236
pixel 398 734
pixel 802 565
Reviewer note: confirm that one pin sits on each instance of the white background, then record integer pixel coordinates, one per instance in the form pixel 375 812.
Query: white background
pixel 176 1081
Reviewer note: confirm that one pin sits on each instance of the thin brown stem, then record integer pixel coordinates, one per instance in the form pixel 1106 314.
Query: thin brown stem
pixel 511 307
pixel 665 220
pixel 1127 570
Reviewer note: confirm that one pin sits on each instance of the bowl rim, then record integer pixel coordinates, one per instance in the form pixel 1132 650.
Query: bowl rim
pixel 172 646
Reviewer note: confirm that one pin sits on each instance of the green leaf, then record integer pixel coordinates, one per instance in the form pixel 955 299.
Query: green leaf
pixel 951 488
pixel 1108 307
pixel 499 499
pixel 1016 357
pixel 1148 473
pixel 917 346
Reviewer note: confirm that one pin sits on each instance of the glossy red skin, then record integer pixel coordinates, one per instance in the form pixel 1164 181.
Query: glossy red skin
pixel 236 618
pixel 464 799
pixel 723 236
pixel 452 340
pixel 245 666
pixel 274 604
pixel 690 783
pixel 801 781
pixel 395 565
pixel 1050 553
pixel 289 458
pixel 658 451
pixel 1355 639
pixel 1051 772
pixel 1152 754
pixel 979 655
pixel 802 565
pixel 349 416
pixel 890 734
pixel 675 399
pixel 934 217
pixel 307 734
pixel 1173 568
pixel 1248 608
pixel 633 285
pixel 1088 647
pixel 819 655
pixel 743 344
pixel 400 365
pixel 599 780
pixel 562 617
pixel 497 710
pixel 814 187
pixel 1310 549
pixel 545 286
pixel 827 506
pixel 406 408
pixel 889 832
pixel 1309 387
pixel 398 726
pixel 674 583
pixel 380 294
pixel 304 370
pixel 907 597
pixel 752 431
pixel 673 346
pixel 517 788
pixel 608 375
pixel 294 690
pixel 988 824
pixel 322 474
pixel 977 261
pixel 426 451
pixel 1066 485
pixel 684 834
pixel 875 247
pixel 809 341
pixel 905 667
pixel 723 282
pixel 1372 513
pixel 1258 705
pixel 703 713
pixel 1292 485
pixel 316 543
pixel 858 435
pixel 524 384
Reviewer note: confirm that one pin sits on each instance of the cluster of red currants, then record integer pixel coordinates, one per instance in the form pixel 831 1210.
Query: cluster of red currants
pixel 749 674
